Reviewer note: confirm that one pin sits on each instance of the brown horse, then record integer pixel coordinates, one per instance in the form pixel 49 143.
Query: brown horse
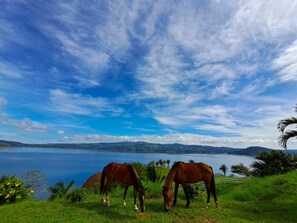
pixel 126 175
pixel 187 173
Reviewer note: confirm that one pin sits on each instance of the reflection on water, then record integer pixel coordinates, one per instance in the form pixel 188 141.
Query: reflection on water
pixel 68 164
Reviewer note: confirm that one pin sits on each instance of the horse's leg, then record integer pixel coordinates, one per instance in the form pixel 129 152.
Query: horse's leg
pixel 135 196
pixel 207 186
pixel 106 193
pixel 125 192
pixel 214 192
pixel 186 193
pixel 175 193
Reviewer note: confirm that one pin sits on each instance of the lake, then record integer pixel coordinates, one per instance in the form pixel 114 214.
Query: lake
pixel 68 164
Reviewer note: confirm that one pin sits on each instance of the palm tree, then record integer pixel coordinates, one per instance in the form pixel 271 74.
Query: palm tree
pixel 224 169
pixel 282 125
pixel 168 162
pixel 59 190
pixel 274 162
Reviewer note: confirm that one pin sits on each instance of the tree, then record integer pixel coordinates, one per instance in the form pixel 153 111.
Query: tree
pixel 240 169
pixel 168 162
pixel 274 162
pixel 59 190
pixel 224 169
pixel 160 162
pixel 191 161
pixel 286 135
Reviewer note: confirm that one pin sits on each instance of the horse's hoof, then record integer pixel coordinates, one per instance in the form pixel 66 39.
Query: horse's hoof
pixel 207 206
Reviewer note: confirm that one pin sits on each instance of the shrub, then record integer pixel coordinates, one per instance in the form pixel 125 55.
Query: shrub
pixel 274 162
pixel 153 175
pixel 59 190
pixel 140 168
pixel 12 189
pixel 77 195
pixel 195 190
pixel 240 169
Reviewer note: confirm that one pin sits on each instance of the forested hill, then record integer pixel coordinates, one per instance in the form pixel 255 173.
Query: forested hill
pixel 144 147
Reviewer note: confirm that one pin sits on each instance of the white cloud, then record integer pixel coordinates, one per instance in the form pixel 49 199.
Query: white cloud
pixel 286 63
pixel 9 70
pixel 187 139
pixel 3 101
pixel 61 132
pixel 80 104
pixel 24 124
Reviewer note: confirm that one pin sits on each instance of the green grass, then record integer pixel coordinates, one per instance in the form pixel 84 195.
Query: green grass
pixel 270 199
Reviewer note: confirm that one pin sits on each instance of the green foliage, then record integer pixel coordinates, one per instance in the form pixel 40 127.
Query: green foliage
pixel 224 169
pixel 195 190
pixel 12 189
pixel 154 175
pixel 274 162
pixel 140 168
pixel 287 134
pixel 77 195
pixel 271 199
pixel 59 190
pixel 240 169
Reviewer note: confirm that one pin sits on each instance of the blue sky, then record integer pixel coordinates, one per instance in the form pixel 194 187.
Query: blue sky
pixel 218 73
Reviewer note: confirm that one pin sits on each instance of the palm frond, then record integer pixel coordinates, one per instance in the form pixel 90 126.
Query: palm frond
pixel 285 122
pixel 69 185
pixel 282 140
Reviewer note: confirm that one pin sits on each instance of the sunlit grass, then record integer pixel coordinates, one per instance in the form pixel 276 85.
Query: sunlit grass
pixel 271 199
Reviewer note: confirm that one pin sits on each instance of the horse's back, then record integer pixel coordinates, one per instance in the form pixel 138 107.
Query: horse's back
pixel 119 173
pixel 193 172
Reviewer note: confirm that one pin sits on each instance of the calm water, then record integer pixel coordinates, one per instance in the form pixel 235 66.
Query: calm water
pixel 67 164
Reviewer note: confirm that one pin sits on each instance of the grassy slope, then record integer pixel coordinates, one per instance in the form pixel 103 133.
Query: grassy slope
pixel 272 199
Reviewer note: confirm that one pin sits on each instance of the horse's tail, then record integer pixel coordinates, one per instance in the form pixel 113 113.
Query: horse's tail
pixel 102 180
pixel 213 185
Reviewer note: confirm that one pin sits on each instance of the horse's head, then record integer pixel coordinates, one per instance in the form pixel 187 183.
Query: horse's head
pixel 167 194
pixel 141 193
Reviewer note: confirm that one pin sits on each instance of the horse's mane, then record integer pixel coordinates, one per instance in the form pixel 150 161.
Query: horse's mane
pixel 175 165
pixel 136 177
pixel 170 176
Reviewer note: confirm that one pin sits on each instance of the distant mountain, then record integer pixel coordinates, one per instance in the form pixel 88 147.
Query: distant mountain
pixel 4 143
pixel 251 151
pixel 144 147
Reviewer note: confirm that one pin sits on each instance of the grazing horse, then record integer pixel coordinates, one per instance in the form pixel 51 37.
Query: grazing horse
pixel 187 173
pixel 125 175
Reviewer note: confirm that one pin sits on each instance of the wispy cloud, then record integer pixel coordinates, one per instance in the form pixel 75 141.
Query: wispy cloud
pixel 286 63
pixel 201 67
pixel 3 101
pixel 24 124
pixel 9 70
pixel 81 105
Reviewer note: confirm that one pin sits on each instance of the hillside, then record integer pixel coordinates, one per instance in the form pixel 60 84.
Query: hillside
pixel 144 147
pixel 268 200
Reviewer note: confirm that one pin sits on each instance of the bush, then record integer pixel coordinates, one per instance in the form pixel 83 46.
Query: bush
pixel 153 175
pixel 12 189
pixel 77 195
pixel 195 190
pixel 274 162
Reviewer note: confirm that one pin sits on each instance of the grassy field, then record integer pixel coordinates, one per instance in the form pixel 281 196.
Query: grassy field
pixel 271 199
